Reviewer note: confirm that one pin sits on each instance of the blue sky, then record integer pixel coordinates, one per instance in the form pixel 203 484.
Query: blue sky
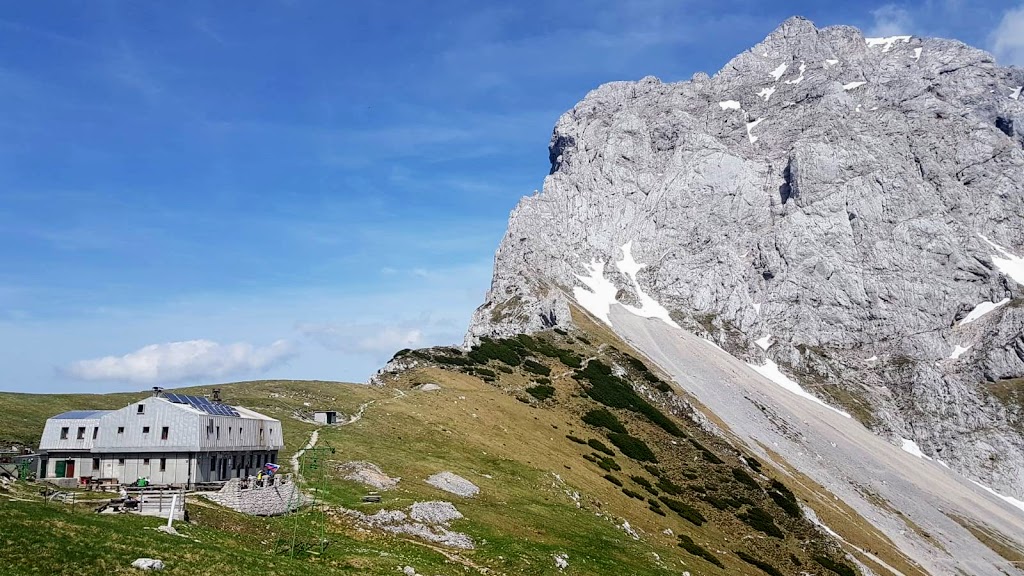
pixel 196 192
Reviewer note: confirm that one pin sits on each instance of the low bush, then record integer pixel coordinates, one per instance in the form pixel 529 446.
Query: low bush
pixel 753 463
pixel 783 489
pixel 657 510
pixel 788 506
pixel 760 520
pixel 687 543
pixel 607 463
pixel 666 485
pixel 536 367
pixel 504 368
pixel 614 392
pixel 743 478
pixel 684 510
pixel 636 363
pixel 495 350
pixel 652 470
pixel 764 566
pixel 632 447
pixel 486 372
pixel 584 340
pixel 453 360
pixel 644 483
pixel 837 567
pixel 576 440
pixel 613 479
pixel 600 446
pixel 419 354
pixel 562 332
pixel 542 380
pixel 632 494
pixel 541 391
pixel 602 418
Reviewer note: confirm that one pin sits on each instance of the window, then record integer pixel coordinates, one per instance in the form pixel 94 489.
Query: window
pixel 229 431
pixel 164 432
pixel 141 409
pixel 218 432
pixel 95 463
pixel 163 464
pixel 145 461
pixel 145 429
pixel 209 428
pixel 81 432
pixel 64 433
pixel 213 463
pixel 95 432
pixel 120 429
pixel 261 434
pixel 120 461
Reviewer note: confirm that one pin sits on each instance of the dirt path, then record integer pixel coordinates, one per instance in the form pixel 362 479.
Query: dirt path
pixel 295 457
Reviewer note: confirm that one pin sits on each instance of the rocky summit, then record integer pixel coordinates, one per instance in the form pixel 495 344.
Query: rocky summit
pixel 841 212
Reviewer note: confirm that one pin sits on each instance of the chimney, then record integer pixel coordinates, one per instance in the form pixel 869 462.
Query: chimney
pixel 157 391
pixel 216 395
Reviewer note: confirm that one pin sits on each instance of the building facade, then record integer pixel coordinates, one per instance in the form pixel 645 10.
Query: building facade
pixel 167 438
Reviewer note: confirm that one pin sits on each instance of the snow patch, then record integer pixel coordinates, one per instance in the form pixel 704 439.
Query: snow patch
pixel 830 63
pixel 1016 93
pixel 800 78
pixel 911 447
pixel 1008 499
pixel 982 309
pixel 765 342
pixel 757 307
pixel 872 359
pixel 887 42
pixel 917 53
pixel 649 307
pixel 771 371
pixel 766 93
pixel 852 85
pixel 778 72
pixel 1010 264
pixel 751 126
pixel 729 105
pixel 599 294
pixel 958 351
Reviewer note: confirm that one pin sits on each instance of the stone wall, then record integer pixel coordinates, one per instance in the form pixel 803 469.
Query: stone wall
pixel 273 500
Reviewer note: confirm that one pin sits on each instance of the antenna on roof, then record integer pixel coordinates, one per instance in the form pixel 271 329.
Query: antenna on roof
pixel 216 395
pixel 157 391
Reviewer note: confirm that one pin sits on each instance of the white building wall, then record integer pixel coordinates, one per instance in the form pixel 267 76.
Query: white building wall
pixel 51 439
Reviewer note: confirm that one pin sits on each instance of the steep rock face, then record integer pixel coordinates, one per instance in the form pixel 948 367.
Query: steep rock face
pixel 856 199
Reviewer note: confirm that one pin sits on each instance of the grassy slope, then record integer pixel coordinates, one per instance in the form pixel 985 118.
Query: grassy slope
pixel 509 444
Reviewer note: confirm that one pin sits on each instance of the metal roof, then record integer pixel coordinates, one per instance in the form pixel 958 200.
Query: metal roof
pixel 82 414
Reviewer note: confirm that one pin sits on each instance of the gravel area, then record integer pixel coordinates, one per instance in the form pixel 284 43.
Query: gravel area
pixel 368 473
pixel 454 484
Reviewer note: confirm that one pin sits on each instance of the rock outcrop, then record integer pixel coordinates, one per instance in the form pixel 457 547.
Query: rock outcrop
pixel 855 199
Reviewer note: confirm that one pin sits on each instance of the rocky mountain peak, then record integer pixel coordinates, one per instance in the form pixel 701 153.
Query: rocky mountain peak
pixel 854 198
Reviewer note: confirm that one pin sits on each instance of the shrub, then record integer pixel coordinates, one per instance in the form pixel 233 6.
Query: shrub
pixel 486 372
pixel 783 489
pixel 607 463
pixel 632 447
pixel 615 392
pixel 743 478
pixel 753 463
pixel 575 439
pixel 636 363
pixel 562 332
pixel 600 446
pixel 663 386
pixel 837 567
pixel 657 510
pixel 684 510
pixel 613 479
pixel 542 380
pixel 541 392
pixel 493 350
pixel 687 543
pixel 632 494
pixel 419 354
pixel 766 567
pixel 602 418
pixel 536 367
pixel 504 368
pixel 644 483
pixel 453 360
pixel 401 353
pixel 584 340
pixel 762 521
pixel 697 488
pixel 652 470
pixel 718 503
pixel 666 485
pixel 788 506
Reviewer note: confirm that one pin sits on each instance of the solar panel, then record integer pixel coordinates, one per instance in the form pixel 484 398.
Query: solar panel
pixel 202 404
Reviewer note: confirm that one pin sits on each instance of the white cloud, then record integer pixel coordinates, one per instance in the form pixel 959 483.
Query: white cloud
pixel 182 361
pixel 890 20
pixel 1007 41
pixel 364 338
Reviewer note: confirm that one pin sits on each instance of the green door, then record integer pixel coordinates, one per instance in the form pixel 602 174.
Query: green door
pixel 59 468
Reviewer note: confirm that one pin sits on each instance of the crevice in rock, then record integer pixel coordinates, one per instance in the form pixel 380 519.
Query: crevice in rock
pixel 1005 125
pixel 786 190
